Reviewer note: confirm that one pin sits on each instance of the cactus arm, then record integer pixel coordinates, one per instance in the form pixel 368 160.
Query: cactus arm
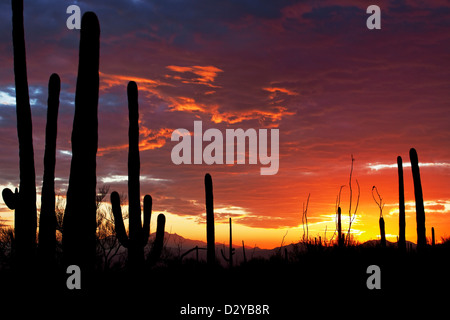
pixel 223 256
pixel 118 219
pixel 10 198
pixel 159 239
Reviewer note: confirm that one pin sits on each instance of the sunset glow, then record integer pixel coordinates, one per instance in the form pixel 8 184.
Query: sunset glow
pixel 312 70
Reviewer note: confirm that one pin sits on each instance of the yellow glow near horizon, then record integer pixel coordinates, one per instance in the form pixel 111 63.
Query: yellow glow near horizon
pixel 365 226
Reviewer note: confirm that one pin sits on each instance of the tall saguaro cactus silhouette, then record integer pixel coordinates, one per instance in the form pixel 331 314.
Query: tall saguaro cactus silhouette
pixel 80 214
pixel 210 236
pixel 23 201
pixel 47 218
pixel 420 209
pixel 138 232
pixel 401 206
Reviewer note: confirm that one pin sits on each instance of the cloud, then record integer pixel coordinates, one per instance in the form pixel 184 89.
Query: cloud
pixel 124 178
pixel 282 90
pixel 7 99
pixel 381 166
pixel 205 74
pixel 148 140
pixel 311 69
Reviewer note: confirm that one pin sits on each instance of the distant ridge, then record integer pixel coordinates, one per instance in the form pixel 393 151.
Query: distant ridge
pixel 179 245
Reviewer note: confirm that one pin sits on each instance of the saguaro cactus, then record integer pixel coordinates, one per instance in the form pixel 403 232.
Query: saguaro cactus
pixel 380 205
pixel 420 210
pixel 243 252
pixel 382 232
pixel 138 233
pixel 80 214
pixel 232 250
pixel 433 239
pixel 340 236
pixel 401 207
pixel 210 236
pixel 47 218
pixel 23 201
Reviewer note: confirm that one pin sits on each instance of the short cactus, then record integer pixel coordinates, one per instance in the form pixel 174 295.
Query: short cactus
pixel 231 249
pixel 340 235
pixel 433 239
pixel 210 236
pixel 380 205
pixel 401 207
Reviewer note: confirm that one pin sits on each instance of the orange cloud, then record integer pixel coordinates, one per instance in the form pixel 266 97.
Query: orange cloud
pixel 272 116
pixel 189 104
pixel 153 139
pixel 148 139
pixel 206 74
pixel 275 90
pixel 108 81
pixel 156 139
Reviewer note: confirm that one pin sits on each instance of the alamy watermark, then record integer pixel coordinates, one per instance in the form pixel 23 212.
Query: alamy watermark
pixel 74 20
pixel 215 153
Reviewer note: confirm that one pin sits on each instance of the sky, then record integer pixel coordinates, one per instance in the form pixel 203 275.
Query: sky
pixel 311 69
